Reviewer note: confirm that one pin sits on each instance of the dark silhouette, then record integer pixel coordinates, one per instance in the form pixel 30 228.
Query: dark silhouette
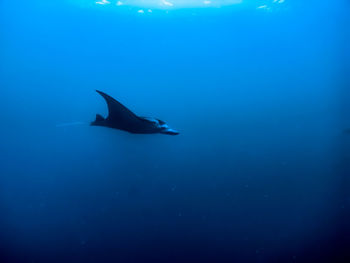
pixel 121 118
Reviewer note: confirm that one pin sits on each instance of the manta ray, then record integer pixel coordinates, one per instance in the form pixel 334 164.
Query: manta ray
pixel 121 118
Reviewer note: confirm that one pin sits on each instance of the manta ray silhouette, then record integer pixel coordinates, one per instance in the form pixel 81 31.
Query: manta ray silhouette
pixel 121 118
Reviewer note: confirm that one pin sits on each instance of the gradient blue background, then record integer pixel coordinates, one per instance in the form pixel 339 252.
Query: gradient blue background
pixel 258 174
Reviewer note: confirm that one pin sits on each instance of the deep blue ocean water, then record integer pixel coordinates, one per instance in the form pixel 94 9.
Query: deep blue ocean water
pixel 260 96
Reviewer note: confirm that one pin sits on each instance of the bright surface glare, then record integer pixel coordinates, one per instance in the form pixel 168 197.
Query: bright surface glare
pixel 167 4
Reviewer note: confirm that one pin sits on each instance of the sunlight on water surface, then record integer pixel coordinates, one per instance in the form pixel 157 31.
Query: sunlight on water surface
pixel 176 4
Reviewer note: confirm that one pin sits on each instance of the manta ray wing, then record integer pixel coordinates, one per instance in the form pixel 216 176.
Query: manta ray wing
pixel 117 111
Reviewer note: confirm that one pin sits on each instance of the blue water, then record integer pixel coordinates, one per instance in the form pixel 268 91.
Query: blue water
pixel 260 96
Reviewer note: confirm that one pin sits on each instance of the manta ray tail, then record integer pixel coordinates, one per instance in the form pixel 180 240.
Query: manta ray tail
pixel 66 124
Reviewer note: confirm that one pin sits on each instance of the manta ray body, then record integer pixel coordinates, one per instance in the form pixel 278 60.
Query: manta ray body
pixel 121 118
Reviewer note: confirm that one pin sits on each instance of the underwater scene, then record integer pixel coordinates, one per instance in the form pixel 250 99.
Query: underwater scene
pixel 156 131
